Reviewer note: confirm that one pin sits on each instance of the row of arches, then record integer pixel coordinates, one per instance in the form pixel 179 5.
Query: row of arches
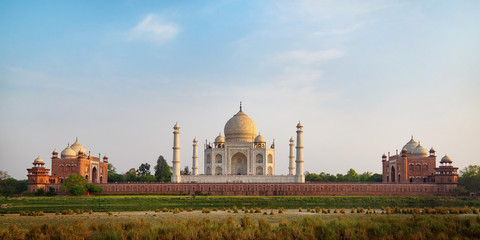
pixel 258 158
pixel 259 171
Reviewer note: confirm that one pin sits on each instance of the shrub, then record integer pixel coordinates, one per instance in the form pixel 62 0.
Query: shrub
pixel 271 212
pixel 204 210
pixel 176 210
pixel 335 211
pixel 235 209
pixel 342 210
pixel 300 209
pixel 93 188
pixel 246 222
pixel 110 213
pixel 157 210
pixel 280 210
pixel 79 211
pixel 165 209
pixel 51 192
pixel 68 212
pixel 258 210
pixel 77 190
pixel 475 211
pixel 40 192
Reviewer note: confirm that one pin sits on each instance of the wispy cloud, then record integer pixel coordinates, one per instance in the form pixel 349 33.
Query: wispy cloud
pixel 304 57
pixel 155 29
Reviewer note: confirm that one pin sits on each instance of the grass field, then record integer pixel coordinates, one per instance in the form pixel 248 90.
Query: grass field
pixel 291 224
pixel 152 202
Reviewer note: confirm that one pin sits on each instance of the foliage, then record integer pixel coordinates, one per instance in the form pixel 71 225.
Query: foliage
pixel 163 172
pixel 358 227
pixel 51 192
pixel 144 169
pixel 40 192
pixel 469 179
pixel 148 202
pixel 10 186
pixel 113 176
pixel 77 190
pixel 185 171
pixel 350 176
pixel 76 185
pixel 93 188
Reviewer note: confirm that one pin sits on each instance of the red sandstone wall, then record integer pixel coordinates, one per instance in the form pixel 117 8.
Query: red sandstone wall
pixel 280 189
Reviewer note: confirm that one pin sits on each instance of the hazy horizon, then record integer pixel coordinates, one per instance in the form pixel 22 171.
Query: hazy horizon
pixel 361 76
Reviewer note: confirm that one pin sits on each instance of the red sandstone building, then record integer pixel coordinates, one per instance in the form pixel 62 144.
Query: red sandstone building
pixel 415 165
pixel 73 160
pixel 411 173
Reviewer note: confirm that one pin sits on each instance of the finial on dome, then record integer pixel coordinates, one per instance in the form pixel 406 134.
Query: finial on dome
pixel 240 106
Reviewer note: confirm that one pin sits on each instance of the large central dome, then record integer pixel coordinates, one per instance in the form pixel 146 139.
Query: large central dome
pixel 240 128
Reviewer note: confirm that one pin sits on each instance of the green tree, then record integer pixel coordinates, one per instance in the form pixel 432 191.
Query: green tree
pixel 77 190
pixel 469 179
pixel 92 188
pixel 163 172
pixel 185 171
pixel 11 186
pixel 75 182
pixel 113 176
pixel 351 176
pixel 144 169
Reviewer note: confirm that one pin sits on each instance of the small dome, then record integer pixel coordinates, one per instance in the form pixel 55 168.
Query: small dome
pixel 291 140
pixel 68 152
pixel 384 156
pixel 195 140
pixel 77 147
pixel 38 160
pixel 446 159
pixel 432 150
pixel 420 151
pixel 219 139
pixel 240 128
pixel 105 157
pixel 176 127
pixel 299 125
pixel 411 145
pixel 259 139
pixel 55 152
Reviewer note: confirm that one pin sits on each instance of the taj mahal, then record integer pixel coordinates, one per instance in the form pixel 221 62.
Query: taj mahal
pixel 242 156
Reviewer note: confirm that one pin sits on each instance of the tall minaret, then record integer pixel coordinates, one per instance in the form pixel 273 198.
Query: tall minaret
pixel 195 157
pixel 299 174
pixel 291 158
pixel 176 154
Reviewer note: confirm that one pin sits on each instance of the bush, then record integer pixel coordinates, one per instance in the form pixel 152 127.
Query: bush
pixel 51 192
pixel 77 190
pixel 40 192
pixel 92 188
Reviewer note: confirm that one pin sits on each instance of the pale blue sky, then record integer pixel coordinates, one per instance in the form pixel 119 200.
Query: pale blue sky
pixel 361 75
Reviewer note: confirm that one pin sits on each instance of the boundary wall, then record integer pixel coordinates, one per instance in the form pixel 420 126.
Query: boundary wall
pixel 278 189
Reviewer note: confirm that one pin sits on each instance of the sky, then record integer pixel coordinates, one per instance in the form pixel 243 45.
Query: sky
pixel 361 76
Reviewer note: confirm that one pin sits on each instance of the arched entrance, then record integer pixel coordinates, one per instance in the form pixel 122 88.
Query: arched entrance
pixel 239 164
pixel 94 174
pixel 392 173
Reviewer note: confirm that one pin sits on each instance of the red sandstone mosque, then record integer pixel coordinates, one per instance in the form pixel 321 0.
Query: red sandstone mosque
pixel 241 164
pixel 73 159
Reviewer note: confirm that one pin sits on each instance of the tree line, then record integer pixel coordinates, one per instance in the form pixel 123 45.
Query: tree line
pixel 162 172
pixel 468 180
pixel 350 176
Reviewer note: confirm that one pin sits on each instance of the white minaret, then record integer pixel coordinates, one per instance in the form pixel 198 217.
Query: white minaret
pixel 195 157
pixel 299 174
pixel 291 163
pixel 176 178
